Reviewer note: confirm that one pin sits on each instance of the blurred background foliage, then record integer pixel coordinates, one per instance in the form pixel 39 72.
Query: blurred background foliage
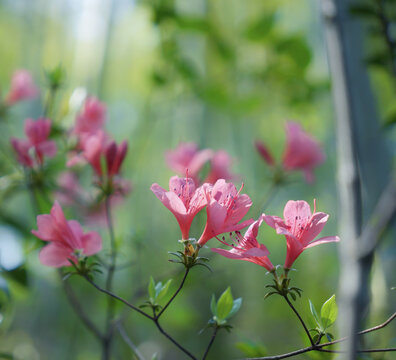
pixel 221 73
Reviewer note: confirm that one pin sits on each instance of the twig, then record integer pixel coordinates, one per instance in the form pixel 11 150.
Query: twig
pixel 212 339
pixel 301 320
pixel 79 310
pixel 154 318
pixel 319 347
pixel 175 294
pixel 129 342
pixel 109 282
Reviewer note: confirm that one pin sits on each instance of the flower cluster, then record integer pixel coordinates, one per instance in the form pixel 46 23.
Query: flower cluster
pixel 225 208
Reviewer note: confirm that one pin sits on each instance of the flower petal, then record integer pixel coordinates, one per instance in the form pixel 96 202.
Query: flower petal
pixel 92 243
pixel 55 255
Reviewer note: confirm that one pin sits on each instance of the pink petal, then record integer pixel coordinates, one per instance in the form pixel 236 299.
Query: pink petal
pixel 314 227
pixel 55 255
pixel 259 252
pixel 48 148
pixel 273 221
pixel 92 243
pixel 169 199
pixel 323 240
pixel 46 229
pixel 230 254
pixel 296 211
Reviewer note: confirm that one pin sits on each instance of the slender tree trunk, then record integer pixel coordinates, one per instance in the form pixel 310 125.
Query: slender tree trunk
pixel 361 176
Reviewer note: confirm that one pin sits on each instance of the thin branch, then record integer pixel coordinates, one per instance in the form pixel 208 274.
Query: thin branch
pixel 71 297
pixel 381 217
pixel 133 307
pixel 301 320
pixel 129 342
pixel 163 332
pixel 212 339
pixel 319 347
pixel 175 294
pixel 375 328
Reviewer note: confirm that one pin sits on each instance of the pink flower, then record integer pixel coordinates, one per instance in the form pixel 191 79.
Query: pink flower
pixel 187 157
pixel 37 143
pixel 247 247
pixel 183 199
pixel 97 147
pixel 219 167
pixel 92 118
pixel 302 151
pixel 22 87
pixel 226 207
pixel 264 152
pixel 69 188
pixel 300 228
pixel 67 241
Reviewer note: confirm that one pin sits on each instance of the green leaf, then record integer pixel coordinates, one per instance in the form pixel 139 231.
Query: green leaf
pixel 236 305
pixel 225 304
pixel 164 290
pixel 315 314
pixel 151 288
pixel 213 308
pixel 329 312
pixel 259 29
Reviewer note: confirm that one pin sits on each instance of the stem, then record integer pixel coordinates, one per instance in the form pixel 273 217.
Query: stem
pixel 71 297
pixel 163 332
pixel 175 294
pixel 129 342
pixel 319 347
pixel 133 307
pixel 211 342
pixel 301 320
pixel 109 282
pixel 154 318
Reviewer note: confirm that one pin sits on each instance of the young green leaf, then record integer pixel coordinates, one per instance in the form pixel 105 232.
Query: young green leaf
pixel 213 308
pixel 224 304
pixel 329 312
pixel 235 307
pixel 151 288
pixel 164 290
pixel 315 314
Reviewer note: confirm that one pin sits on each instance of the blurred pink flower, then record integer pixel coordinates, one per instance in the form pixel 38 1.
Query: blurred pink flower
pixel 226 207
pixel 92 117
pixel 247 247
pixel 67 241
pixel 69 188
pixel 264 152
pixel 97 147
pixel 37 143
pixel 300 228
pixel 22 87
pixel 219 167
pixel 302 151
pixel 183 199
pixel 187 158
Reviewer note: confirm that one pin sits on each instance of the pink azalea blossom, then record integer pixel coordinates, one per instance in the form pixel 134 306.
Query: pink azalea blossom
pixel 302 151
pixel 92 118
pixel 226 207
pixel 97 147
pixel 67 241
pixel 247 247
pixel 183 199
pixel 300 228
pixel 22 87
pixel 187 157
pixel 264 152
pixel 219 167
pixel 69 188
pixel 37 143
